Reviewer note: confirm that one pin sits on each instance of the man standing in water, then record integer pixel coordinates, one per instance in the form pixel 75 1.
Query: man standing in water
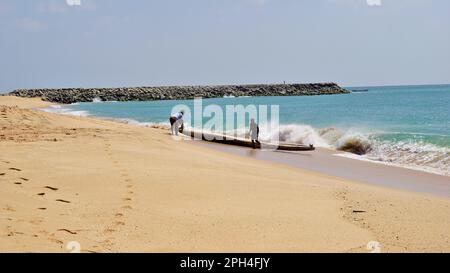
pixel 254 133
pixel 176 121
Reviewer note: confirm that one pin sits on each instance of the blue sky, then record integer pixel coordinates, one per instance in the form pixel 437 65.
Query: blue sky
pixel 101 43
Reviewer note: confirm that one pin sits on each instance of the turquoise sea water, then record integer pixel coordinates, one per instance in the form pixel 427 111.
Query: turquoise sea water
pixel 402 125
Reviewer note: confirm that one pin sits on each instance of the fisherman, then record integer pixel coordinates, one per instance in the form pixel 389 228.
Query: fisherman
pixel 254 133
pixel 176 122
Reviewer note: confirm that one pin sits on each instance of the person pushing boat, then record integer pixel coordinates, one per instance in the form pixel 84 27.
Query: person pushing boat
pixel 176 122
pixel 254 133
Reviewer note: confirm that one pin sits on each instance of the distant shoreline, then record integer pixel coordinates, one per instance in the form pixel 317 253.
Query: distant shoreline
pixel 73 95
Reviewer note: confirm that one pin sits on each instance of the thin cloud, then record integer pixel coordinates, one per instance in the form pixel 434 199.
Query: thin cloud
pixel 358 3
pixel 61 6
pixel 73 2
pixel 374 2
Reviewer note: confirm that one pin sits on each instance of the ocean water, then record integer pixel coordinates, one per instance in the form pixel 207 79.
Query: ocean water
pixel 406 126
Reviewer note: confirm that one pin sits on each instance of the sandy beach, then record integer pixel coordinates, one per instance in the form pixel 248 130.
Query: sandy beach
pixel 116 187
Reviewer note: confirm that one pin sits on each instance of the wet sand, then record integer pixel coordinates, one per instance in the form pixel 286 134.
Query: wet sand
pixel 325 161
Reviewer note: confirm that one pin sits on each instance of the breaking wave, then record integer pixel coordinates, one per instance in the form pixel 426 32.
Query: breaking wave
pixel 331 137
pixel 414 154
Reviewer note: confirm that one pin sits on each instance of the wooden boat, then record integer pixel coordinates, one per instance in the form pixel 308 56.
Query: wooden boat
pixel 231 140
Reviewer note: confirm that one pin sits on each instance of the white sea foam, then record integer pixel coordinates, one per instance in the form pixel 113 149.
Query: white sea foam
pixel 362 144
pixel 64 110
pixel 294 133
pixel 164 125
pixel 415 155
pixel 331 137
pixel 441 170
pixel 58 109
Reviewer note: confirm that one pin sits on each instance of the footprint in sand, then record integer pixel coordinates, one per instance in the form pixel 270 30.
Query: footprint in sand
pixel 62 201
pixel 8 208
pixel 68 231
pixel 119 223
pixel 36 221
pixel 55 240
pixel 119 216
pixel 109 230
pixel 14 233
